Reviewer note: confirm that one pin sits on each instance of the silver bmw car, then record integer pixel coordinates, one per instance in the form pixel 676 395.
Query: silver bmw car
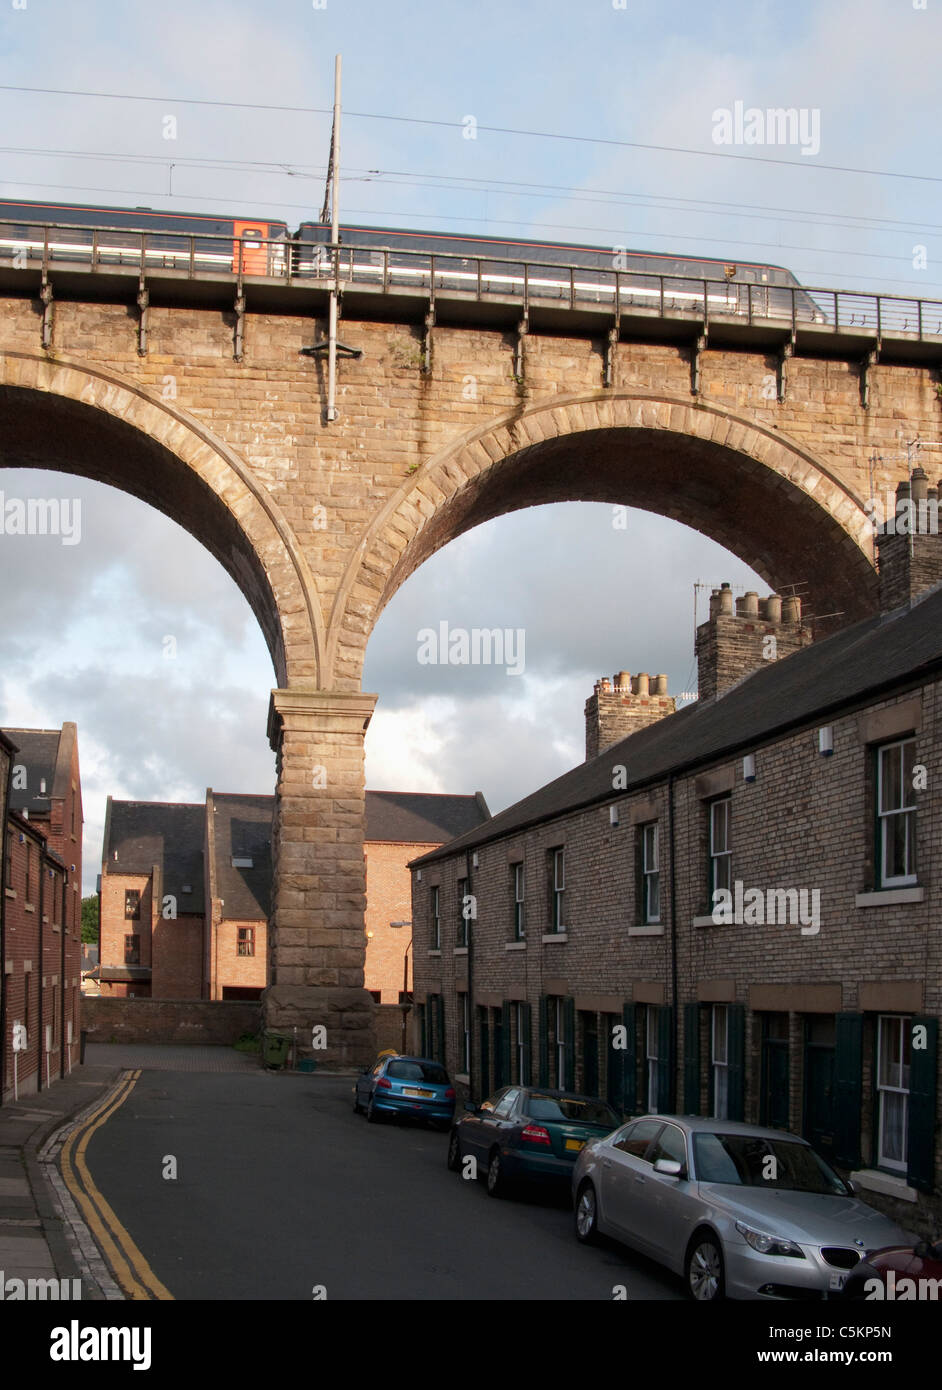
pixel 735 1209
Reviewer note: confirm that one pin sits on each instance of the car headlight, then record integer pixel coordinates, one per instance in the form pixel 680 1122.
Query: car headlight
pixel 769 1245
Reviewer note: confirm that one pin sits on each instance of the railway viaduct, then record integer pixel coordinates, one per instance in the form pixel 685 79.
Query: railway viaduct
pixel 207 400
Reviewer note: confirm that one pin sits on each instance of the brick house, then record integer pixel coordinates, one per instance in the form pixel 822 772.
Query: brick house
pixel 41 913
pixel 734 909
pixel 152 906
pixel 186 889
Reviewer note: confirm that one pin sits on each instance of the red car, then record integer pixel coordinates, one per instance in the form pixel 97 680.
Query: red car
pixel 898 1273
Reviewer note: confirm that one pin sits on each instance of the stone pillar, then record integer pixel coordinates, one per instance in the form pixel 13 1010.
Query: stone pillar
pixel 316 925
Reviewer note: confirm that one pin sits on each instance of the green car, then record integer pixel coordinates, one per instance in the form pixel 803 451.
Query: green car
pixel 528 1133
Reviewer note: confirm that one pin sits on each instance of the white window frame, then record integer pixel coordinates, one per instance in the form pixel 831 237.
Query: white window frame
pixel 885 818
pixel 559 889
pixel 466 1033
pixel 435 904
pixel 523 1061
pixel 519 898
pixel 720 1064
pixel 897 1085
pixel 651 873
pixel 651 1057
pixel 560 1034
pixel 726 854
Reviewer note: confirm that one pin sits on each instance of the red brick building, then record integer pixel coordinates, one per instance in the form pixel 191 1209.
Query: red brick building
pixel 186 889
pixel 41 913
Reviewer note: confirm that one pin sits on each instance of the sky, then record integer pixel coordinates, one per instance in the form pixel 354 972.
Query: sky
pixel 595 122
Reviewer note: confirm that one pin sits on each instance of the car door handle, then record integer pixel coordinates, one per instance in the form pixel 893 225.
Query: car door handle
pixel 638 1177
pixel 606 1163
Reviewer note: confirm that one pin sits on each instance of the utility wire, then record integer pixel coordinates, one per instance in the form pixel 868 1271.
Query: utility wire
pixel 489 129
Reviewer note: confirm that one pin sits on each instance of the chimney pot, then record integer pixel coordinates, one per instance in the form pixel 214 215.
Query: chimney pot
pixel 791 609
pixel 660 685
pixel 751 604
pixel 773 608
pixel 643 684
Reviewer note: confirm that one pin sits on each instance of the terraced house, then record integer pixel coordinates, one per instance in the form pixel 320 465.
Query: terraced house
pixel 732 909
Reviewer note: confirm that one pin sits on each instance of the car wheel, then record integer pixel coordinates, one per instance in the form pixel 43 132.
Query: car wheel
pixel 704 1270
pixel 372 1114
pixel 454 1152
pixel 496 1182
pixel 586 1215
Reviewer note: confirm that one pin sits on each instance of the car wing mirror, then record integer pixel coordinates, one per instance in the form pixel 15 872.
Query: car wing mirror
pixel 669 1167
pixel 470 1108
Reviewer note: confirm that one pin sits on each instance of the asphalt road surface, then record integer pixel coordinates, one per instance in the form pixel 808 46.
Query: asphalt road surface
pixel 281 1191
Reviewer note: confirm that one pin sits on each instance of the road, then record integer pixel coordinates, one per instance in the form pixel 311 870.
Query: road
pixel 282 1192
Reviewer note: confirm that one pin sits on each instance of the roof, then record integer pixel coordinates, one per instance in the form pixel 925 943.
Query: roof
pixel 140 834
pixel 241 829
pixel 865 660
pixel 37 750
pixel 422 818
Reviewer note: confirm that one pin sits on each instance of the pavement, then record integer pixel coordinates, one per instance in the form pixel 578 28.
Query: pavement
pixel 37 1238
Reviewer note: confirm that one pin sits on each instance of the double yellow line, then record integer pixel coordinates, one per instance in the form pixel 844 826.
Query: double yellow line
pixel 129 1266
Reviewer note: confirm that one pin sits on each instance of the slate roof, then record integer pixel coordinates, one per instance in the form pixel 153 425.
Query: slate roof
pixel 422 817
pixel 859 663
pixel 167 833
pixel 37 752
pixel 242 830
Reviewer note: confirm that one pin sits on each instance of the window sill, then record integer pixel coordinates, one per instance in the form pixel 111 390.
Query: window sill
pixel 708 921
pixel 890 897
pixel 9 892
pixel 434 952
pixel 555 936
pixel 463 1077
pixel 872 1180
pixel 515 945
pixel 29 907
pixel 647 929
pixel 460 951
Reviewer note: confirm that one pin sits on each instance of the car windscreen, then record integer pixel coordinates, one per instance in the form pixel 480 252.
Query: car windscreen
pixel 418 1071
pixel 571 1109
pixel 745 1160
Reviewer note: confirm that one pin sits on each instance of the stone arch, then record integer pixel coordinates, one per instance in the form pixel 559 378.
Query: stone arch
pixel 750 488
pixel 62 414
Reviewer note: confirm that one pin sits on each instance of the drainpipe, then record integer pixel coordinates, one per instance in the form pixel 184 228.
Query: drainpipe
pixel 42 962
pixel 3 926
pixel 471 924
pixel 675 1022
pixel 63 925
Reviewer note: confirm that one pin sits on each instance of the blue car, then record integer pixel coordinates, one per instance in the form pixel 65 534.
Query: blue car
pixel 415 1087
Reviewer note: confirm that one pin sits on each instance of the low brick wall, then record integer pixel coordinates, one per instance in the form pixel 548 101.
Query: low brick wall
pixel 168 1020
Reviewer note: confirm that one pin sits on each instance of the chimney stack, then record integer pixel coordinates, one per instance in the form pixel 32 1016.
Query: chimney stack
pixel 909 547
pixel 621 706
pixel 731 645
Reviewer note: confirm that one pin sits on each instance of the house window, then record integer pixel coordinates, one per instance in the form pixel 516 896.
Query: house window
pixel 559 1032
pixel 518 886
pixel 461 935
pixel 719 1061
pixel 465 1040
pixel 650 874
pixel 893 1042
pixel 436 921
pixel 896 814
pixel 245 943
pixel 651 1057
pixel 720 846
pixel 557 880
pixel 521 1022
pixel 132 904
pixel 132 949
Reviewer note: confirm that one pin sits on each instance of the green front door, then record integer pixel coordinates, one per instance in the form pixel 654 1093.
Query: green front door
pixel 590 1054
pixel 820 1096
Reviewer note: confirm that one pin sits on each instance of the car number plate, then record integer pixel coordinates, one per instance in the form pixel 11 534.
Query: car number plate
pixel 837 1281
pixel 413 1091
pixel 576 1144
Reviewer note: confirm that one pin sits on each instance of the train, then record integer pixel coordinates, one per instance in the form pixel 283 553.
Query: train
pixel 387 259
